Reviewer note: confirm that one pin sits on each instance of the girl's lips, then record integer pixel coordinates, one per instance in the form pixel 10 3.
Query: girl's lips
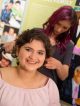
pixel 32 62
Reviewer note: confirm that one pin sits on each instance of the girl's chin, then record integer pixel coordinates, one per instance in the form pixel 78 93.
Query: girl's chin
pixel 32 69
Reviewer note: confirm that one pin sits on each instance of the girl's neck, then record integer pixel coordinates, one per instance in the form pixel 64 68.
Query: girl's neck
pixel 24 74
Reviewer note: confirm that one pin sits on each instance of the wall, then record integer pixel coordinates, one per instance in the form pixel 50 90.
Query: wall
pixel 38 11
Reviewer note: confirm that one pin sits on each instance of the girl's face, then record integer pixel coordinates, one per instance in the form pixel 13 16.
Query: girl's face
pixel 32 55
pixel 61 27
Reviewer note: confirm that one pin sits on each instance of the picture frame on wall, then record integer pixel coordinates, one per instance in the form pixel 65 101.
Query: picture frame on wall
pixel 11 14
pixel 9 33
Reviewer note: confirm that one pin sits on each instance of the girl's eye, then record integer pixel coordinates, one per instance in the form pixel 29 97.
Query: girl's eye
pixel 28 49
pixel 41 53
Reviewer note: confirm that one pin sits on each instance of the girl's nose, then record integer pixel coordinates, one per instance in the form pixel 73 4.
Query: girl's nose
pixel 33 56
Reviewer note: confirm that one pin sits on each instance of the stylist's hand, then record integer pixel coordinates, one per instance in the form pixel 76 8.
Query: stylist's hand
pixel 9 46
pixel 52 63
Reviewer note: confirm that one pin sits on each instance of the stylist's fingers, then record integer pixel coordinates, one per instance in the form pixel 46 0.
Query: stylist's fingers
pixel 50 60
pixel 50 65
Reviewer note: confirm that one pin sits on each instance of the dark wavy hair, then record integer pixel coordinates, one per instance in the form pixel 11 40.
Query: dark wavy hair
pixel 63 13
pixel 29 35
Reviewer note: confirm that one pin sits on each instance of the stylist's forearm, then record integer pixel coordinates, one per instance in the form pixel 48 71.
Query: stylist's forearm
pixel 62 71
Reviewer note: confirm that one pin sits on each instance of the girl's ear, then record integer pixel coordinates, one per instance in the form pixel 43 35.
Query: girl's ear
pixel 17 51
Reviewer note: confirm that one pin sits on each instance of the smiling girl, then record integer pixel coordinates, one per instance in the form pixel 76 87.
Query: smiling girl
pixel 24 85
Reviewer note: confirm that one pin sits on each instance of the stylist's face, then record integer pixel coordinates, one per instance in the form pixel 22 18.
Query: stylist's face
pixel 61 27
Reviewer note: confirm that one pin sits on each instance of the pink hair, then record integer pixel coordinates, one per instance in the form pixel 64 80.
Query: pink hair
pixel 63 13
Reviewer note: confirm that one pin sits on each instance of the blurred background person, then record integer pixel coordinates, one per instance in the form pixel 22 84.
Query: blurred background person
pixel 6 60
pixel 16 16
pixel 6 13
pixel 9 35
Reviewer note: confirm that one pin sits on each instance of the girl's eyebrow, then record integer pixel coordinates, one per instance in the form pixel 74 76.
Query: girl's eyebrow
pixel 33 49
pixel 27 47
pixel 42 51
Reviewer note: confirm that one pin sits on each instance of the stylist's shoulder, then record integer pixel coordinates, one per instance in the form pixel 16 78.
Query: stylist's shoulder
pixel 70 45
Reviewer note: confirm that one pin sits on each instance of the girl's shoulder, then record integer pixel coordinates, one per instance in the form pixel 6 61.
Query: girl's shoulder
pixel 5 69
pixel 6 72
pixel 48 81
